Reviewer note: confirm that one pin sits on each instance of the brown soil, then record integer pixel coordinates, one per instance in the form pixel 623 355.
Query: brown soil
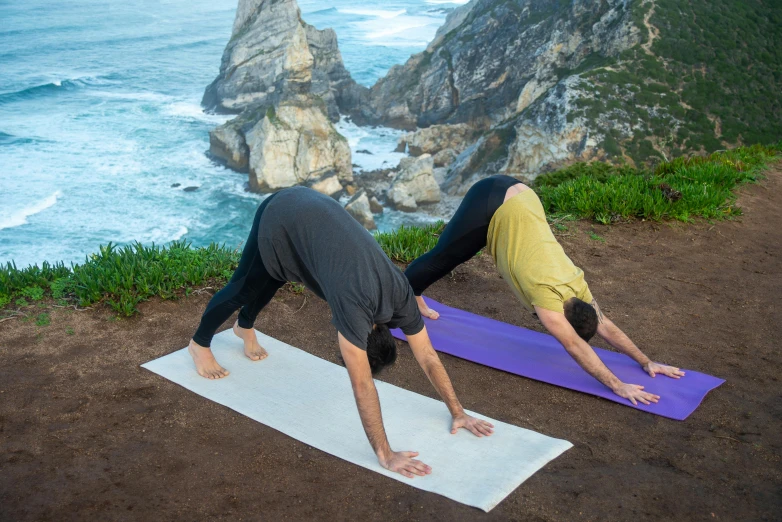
pixel 85 433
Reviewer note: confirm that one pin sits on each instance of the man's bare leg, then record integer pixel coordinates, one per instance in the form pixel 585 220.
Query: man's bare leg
pixel 425 310
pixel 206 364
pixel 252 349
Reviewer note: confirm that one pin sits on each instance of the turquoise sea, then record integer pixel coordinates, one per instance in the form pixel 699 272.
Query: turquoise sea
pixel 101 131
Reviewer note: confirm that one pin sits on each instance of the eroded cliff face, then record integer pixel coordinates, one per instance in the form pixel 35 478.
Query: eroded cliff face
pixel 493 58
pixel 286 81
pixel 511 71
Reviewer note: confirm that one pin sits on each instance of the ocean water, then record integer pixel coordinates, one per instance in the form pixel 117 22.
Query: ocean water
pixel 102 137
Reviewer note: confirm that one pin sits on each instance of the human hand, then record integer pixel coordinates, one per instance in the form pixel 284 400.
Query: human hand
pixel 653 368
pixel 425 310
pixel 634 393
pixel 478 427
pixel 404 463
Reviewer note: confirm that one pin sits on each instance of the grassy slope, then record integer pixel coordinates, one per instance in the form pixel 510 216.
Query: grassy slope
pixel 124 276
pixel 709 78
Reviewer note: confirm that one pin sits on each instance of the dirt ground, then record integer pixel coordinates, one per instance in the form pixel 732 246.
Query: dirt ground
pixel 85 433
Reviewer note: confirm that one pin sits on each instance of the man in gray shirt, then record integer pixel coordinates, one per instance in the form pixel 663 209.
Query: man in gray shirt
pixel 303 236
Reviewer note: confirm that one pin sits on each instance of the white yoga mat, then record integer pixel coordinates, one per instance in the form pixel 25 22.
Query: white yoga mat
pixel 311 400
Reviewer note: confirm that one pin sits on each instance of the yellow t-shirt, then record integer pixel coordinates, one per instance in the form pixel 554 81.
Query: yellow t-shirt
pixel 529 257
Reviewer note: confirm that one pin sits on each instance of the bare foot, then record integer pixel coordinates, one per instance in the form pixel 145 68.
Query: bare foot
pixel 206 364
pixel 252 349
pixel 425 310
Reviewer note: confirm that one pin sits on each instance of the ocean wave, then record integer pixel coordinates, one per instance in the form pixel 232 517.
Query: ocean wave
pixel 194 111
pixel 20 217
pixel 10 139
pixel 319 12
pixel 157 235
pixel 188 45
pixel 377 145
pixel 54 87
pixel 376 29
pixel 376 13
pixel 395 43
pixel 453 2
pixel 132 96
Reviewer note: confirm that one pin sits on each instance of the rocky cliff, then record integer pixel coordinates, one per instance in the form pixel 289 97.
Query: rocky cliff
pixel 505 70
pixel 543 83
pixel 518 87
pixel 286 81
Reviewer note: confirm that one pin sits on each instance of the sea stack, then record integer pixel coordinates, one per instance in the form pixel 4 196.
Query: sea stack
pixel 286 81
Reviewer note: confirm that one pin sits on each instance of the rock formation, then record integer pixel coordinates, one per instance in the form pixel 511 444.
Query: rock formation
pixel 493 90
pixel 359 207
pixel 519 87
pixel 415 184
pixel 286 81
pixel 295 144
pixel 444 142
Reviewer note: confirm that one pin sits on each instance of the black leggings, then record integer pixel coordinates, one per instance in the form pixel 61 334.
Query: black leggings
pixel 250 288
pixel 465 234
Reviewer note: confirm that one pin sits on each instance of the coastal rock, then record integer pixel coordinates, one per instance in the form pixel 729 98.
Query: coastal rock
pixel 476 69
pixel 503 86
pixel 445 157
pixel 400 199
pixel 296 144
pixel 359 207
pixel 287 81
pixel 416 179
pixel 227 144
pixel 273 53
pixel 436 138
pixel 328 185
pixel 375 206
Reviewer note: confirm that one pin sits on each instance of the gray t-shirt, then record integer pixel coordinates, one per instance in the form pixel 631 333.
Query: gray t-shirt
pixel 308 238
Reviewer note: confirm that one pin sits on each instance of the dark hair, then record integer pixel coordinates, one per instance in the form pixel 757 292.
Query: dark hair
pixel 582 317
pixel 381 348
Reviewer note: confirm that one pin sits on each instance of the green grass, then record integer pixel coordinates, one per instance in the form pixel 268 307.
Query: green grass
pixel 712 81
pixel 407 242
pixel 604 193
pixel 120 277
pixel 595 237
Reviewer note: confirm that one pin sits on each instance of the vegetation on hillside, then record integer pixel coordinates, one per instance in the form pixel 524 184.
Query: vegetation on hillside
pixel 122 277
pixel 707 75
pixel 682 189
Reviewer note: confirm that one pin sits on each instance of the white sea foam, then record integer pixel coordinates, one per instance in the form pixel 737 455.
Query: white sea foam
pixel 194 111
pixel 418 28
pixel 399 44
pixel 19 217
pixel 377 13
pixel 132 96
pixel 452 2
pixel 379 142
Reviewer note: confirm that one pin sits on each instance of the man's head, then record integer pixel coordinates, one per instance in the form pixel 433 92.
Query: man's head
pixel 381 348
pixel 582 317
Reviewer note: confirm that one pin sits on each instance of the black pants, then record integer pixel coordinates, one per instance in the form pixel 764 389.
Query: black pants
pixel 250 288
pixel 465 234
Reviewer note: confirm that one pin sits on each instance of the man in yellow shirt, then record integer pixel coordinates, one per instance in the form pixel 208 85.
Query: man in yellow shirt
pixel 503 214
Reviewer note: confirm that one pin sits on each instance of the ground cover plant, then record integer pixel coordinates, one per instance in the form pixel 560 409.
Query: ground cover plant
pixel 705 75
pixel 682 189
pixel 122 277
pixel 409 242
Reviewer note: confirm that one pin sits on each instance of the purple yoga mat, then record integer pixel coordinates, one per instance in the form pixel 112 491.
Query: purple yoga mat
pixel 540 356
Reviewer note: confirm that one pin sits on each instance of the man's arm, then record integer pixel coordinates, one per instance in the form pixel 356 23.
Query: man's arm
pixel 369 410
pixel 622 343
pixel 586 357
pixel 426 356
